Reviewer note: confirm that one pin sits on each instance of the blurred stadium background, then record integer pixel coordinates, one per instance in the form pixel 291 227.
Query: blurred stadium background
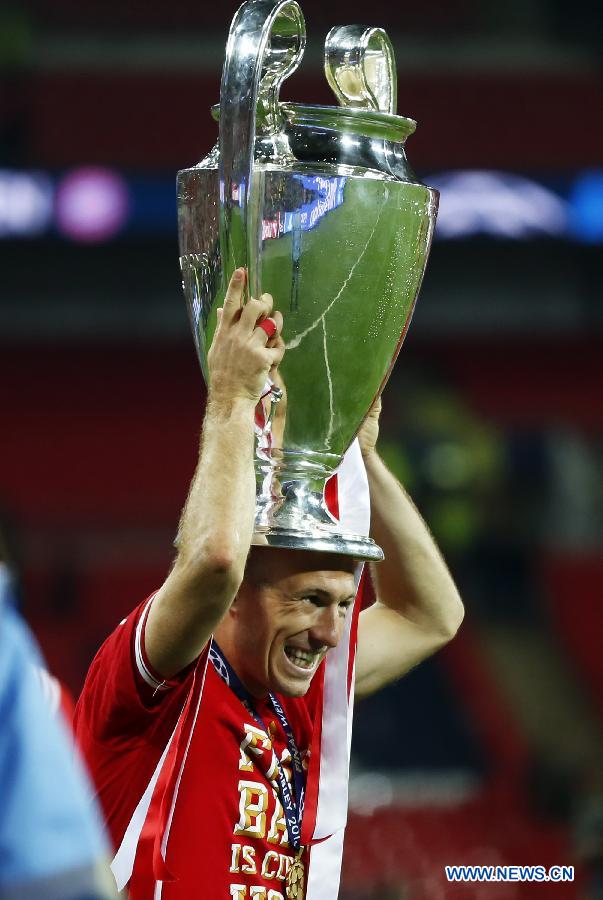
pixel 491 752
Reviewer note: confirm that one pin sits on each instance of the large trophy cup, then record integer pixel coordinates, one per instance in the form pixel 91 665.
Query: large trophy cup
pixel 321 206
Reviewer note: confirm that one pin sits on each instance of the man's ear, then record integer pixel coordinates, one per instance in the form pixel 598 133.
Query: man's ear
pixel 238 599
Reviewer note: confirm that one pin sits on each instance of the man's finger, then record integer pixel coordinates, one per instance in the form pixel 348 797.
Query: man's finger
pixel 233 300
pixel 277 353
pixel 265 330
pixel 254 310
pixel 278 318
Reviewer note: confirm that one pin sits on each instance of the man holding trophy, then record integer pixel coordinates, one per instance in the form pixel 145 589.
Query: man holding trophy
pixel 216 718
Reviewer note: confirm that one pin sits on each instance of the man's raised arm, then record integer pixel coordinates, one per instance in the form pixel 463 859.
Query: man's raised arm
pixel 418 608
pixel 217 522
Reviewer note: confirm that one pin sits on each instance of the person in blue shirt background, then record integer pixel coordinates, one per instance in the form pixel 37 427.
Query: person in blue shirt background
pixel 52 845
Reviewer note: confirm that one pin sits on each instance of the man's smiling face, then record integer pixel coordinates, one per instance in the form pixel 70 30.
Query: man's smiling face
pixel 289 612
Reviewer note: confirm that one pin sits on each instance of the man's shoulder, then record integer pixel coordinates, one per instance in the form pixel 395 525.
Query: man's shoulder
pixel 122 696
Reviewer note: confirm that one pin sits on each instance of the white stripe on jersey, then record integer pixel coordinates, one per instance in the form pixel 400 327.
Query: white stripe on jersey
pixel 139 656
pixel 123 862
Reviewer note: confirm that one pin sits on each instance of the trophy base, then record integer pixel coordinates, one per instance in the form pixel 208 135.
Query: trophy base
pixel 292 516
pixel 341 543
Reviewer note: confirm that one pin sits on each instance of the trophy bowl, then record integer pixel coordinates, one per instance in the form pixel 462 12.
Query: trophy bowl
pixel 320 205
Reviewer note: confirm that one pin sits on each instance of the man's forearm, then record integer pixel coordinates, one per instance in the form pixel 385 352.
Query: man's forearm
pixel 413 579
pixel 217 521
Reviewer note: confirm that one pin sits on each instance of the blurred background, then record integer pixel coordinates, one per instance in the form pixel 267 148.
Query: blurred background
pixel 493 418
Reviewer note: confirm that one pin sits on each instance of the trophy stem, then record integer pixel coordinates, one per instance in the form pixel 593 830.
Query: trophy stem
pixel 291 511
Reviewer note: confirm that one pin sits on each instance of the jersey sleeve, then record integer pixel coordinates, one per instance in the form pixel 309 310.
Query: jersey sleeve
pixel 123 696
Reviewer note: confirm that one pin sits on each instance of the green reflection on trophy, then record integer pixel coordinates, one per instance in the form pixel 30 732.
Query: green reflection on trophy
pixel 320 205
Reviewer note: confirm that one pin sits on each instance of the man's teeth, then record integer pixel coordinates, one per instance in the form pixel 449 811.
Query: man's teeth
pixel 305 659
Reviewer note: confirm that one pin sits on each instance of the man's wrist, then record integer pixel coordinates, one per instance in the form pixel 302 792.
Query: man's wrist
pixel 369 454
pixel 228 406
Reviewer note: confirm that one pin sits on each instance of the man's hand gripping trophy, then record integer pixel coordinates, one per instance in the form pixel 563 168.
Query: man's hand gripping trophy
pixel 247 346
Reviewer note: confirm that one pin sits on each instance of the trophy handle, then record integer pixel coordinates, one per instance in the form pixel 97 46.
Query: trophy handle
pixel 361 67
pixel 265 44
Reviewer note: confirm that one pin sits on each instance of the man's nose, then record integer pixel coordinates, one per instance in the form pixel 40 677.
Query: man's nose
pixel 326 629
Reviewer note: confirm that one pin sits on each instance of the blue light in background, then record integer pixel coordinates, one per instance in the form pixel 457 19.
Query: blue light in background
pixel 498 204
pixel 586 207
pixel 26 204
pixel 153 209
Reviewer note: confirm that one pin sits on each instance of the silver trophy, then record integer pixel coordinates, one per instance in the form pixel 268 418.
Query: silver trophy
pixel 321 206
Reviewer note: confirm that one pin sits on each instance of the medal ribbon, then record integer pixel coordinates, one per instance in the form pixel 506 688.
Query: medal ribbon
pixel 293 804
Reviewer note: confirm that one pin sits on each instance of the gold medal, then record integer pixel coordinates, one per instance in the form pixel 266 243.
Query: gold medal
pixel 296 877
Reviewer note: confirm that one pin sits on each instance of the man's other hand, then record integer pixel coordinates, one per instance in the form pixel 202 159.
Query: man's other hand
pixel 242 354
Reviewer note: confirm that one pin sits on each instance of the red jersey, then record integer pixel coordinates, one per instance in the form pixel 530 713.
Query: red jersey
pixel 227 833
